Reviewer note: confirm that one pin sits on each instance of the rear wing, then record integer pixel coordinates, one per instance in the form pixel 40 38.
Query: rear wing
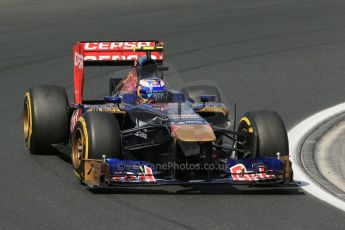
pixel 113 53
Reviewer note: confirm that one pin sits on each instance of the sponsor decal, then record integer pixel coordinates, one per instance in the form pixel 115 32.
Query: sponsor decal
pixel 240 173
pixel 142 134
pixel 78 60
pixel 74 119
pixel 148 175
pixel 108 46
pixel 129 57
pixel 106 109
pixel 213 108
pixel 185 116
pixel 117 51
pixel 195 122
pixel 145 176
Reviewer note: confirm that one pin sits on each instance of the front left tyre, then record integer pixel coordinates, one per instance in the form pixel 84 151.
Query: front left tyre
pixel 96 134
pixel 46 118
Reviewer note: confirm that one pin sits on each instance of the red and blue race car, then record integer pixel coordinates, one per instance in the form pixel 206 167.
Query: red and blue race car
pixel 145 132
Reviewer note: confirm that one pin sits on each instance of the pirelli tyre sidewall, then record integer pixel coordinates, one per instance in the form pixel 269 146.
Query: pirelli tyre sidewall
pixel 95 134
pixel 46 118
pixel 267 134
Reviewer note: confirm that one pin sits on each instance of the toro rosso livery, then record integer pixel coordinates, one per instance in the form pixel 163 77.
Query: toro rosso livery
pixel 146 133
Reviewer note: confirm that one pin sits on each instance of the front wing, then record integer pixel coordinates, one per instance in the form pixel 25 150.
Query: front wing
pixel 111 172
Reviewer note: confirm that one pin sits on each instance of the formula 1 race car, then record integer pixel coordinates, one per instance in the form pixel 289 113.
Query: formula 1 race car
pixel 147 133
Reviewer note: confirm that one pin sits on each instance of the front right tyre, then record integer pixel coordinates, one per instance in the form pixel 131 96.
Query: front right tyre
pixel 266 134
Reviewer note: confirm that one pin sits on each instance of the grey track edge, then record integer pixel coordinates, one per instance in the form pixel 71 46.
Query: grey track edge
pixel 306 158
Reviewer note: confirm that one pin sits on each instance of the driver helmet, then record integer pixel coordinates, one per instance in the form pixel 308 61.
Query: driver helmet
pixel 151 90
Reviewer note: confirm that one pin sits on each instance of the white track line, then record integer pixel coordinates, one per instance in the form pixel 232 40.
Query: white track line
pixel 296 137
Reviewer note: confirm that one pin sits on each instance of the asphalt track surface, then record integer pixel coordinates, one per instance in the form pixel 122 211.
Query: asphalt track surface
pixel 286 56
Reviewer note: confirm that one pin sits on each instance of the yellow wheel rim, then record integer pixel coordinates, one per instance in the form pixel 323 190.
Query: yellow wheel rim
pixel 27 119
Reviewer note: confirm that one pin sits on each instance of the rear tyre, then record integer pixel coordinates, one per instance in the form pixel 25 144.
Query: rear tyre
pixel 266 134
pixel 96 134
pixel 46 118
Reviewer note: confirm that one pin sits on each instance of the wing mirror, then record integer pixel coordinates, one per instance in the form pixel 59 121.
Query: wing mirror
pixel 208 98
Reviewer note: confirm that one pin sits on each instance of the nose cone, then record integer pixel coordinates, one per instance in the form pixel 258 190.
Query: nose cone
pixel 193 133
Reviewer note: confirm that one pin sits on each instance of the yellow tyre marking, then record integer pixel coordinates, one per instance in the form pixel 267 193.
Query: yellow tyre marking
pixel 27 96
pixel 247 121
pixel 83 123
